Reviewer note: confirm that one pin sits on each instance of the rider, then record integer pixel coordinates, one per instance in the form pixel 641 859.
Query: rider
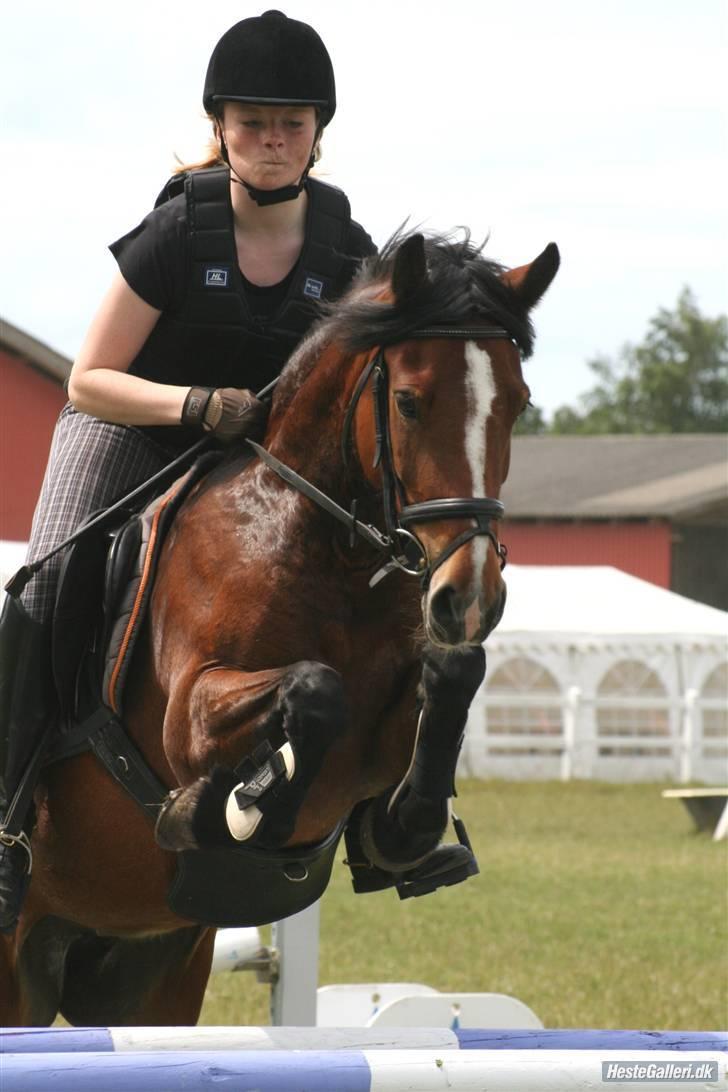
pixel 215 288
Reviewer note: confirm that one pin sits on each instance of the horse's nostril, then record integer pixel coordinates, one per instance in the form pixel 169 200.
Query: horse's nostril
pixel 445 606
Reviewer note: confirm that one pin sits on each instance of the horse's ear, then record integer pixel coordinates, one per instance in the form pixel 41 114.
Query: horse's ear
pixel 531 281
pixel 410 268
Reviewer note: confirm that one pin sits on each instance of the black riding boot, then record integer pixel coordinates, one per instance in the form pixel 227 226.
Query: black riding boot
pixel 26 710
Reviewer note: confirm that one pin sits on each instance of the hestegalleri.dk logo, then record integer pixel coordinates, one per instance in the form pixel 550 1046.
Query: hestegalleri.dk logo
pixel 659 1071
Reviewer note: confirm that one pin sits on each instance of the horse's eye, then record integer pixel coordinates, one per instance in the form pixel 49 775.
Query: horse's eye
pixel 406 404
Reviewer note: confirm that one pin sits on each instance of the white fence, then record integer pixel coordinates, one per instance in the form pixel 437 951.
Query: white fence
pixel 571 733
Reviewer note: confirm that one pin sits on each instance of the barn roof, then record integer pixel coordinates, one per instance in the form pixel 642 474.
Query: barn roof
pixel 608 477
pixel 34 352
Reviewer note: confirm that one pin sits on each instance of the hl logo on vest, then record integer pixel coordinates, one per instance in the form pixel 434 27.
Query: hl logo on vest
pixel 313 288
pixel 216 277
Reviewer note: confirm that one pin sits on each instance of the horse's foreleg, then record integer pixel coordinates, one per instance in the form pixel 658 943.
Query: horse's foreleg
pixel 263 738
pixel 10 1001
pixel 401 829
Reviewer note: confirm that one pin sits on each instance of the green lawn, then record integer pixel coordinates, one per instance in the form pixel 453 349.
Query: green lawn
pixel 598 905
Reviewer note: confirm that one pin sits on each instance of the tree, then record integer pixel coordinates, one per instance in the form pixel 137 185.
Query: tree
pixel 676 380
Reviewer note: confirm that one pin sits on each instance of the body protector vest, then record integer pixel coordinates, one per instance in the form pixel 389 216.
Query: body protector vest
pixel 215 340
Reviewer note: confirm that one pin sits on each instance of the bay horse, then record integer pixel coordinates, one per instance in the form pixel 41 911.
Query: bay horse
pixel 292 680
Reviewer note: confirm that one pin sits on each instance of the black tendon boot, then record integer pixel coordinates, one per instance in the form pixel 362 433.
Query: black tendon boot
pixel 25 714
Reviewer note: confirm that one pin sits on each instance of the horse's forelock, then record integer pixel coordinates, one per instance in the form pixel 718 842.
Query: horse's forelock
pixel 462 286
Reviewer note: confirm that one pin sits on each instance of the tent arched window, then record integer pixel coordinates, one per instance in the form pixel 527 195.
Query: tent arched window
pixel 632 711
pixel 523 699
pixel 714 709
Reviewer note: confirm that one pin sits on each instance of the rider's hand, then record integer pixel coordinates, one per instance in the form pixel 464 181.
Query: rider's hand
pixel 228 413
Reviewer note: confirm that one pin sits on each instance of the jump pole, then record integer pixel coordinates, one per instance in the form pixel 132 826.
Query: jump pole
pixel 157 1039
pixel 366 1071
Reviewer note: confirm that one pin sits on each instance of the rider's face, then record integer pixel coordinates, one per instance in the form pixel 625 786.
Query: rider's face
pixel 269 146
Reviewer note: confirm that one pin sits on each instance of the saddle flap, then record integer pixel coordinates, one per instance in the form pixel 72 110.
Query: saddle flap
pixel 78 610
pixel 97 611
pixel 130 578
pixel 121 559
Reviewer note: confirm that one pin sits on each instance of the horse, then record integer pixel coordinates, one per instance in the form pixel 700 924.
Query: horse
pixel 312 642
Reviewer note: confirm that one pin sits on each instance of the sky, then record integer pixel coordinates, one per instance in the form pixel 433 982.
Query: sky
pixel 600 126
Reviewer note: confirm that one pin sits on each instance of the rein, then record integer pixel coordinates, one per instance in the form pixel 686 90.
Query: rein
pixel 404 549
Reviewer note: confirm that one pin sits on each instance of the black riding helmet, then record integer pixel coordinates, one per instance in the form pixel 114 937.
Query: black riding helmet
pixel 271 60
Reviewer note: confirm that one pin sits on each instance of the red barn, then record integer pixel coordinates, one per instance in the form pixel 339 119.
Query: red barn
pixel 652 506
pixel 31 378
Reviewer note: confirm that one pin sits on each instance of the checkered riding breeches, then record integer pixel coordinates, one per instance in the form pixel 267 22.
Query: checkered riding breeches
pixel 91 464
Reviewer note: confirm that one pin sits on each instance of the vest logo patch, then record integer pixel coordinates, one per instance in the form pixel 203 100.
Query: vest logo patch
pixel 215 277
pixel 313 288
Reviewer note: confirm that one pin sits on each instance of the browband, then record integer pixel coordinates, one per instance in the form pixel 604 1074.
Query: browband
pixel 477 332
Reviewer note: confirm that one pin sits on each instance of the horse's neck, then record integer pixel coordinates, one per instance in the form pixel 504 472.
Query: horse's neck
pixel 307 432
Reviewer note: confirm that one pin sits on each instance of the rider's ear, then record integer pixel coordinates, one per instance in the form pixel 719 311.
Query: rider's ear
pixel 410 268
pixel 531 281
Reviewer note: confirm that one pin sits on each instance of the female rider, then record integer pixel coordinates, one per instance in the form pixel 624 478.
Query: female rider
pixel 215 288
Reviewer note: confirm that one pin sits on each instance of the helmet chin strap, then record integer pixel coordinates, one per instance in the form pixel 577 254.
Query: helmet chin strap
pixel 269 197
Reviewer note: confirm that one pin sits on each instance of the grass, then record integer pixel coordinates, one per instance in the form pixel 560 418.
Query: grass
pixel 597 905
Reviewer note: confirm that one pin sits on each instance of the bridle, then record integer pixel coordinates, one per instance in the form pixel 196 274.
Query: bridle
pixel 404 549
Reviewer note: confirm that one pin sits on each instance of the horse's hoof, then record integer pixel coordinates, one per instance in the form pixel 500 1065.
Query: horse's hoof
pixel 174 827
pixel 194 817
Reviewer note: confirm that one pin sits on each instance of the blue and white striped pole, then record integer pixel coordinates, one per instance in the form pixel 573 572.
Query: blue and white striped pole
pixel 365 1071
pixel 118 1040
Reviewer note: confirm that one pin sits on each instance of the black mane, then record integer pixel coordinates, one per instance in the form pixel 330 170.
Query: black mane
pixel 462 286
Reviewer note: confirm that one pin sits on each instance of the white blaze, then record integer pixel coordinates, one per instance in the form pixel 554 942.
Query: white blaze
pixel 481 390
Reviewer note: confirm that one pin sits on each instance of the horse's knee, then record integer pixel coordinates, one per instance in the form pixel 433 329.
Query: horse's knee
pixel 457 673
pixel 228 806
pixel 313 695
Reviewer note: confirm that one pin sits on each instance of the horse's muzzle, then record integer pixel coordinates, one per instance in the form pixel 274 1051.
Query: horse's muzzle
pixel 451 619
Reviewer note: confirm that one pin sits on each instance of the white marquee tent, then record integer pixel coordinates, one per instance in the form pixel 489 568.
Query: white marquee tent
pixel 594 673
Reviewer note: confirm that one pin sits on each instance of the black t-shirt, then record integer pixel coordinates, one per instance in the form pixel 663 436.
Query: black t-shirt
pixel 152 257
pixel 264 300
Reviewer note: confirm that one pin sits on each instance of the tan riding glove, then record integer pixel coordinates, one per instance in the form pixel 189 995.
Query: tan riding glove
pixel 226 412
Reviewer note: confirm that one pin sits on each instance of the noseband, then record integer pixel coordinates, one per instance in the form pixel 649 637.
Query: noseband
pixel 406 552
